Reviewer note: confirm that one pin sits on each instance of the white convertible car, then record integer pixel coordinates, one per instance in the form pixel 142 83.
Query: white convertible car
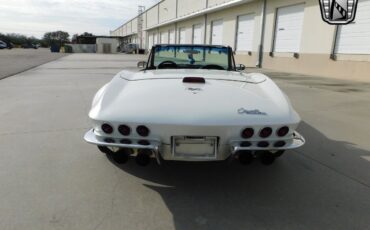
pixel 192 103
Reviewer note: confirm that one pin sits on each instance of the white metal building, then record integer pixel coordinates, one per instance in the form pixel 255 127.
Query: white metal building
pixel 286 35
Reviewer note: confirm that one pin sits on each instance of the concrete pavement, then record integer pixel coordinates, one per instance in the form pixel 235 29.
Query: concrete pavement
pixel 18 60
pixel 51 179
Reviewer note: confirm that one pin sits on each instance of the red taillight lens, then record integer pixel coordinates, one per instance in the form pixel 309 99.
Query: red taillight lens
pixel 247 133
pixel 124 130
pixel 142 131
pixel 194 80
pixel 107 128
pixel 265 132
pixel 283 131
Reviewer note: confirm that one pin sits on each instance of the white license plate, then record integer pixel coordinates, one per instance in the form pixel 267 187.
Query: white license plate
pixel 195 146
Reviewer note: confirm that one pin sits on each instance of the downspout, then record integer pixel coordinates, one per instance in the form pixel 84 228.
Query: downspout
pixel 205 29
pixel 263 22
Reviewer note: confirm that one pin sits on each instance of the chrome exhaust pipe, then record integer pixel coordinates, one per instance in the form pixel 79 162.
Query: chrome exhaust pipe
pixel 266 157
pixel 245 156
pixel 122 155
pixel 143 157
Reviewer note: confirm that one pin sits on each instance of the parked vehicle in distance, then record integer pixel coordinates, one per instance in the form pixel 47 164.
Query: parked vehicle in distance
pixel 130 48
pixel 30 46
pixel 192 103
pixel 3 45
pixel 6 45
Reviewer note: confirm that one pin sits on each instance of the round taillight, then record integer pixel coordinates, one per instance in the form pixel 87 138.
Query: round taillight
pixel 245 144
pixel 124 130
pixel 279 144
pixel 142 131
pixel 109 140
pixel 126 141
pixel 265 132
pixel 107 128
pixel 263 144
pixel 283 131
pixel 143 142
pixel 247 133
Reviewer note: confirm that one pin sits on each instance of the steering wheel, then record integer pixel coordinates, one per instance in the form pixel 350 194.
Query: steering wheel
pixel 212 66
pixel 167 64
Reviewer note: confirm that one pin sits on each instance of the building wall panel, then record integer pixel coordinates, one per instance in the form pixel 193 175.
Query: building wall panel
pixel 152 15
pixel 190 6
pixel 167 10
pixel 134 25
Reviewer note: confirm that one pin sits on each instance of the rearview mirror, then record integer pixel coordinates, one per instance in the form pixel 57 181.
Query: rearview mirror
pixel 141 64
pixel 240 67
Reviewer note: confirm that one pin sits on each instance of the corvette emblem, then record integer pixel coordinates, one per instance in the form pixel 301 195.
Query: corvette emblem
pixel 251 112
pixel 194 90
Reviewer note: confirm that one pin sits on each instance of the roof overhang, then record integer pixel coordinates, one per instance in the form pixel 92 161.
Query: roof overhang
pixel 201 12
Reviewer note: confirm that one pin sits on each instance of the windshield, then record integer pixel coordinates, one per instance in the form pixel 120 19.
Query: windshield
pixel 191 57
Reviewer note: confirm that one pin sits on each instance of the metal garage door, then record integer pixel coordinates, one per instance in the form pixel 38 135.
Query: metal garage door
pixel 150 42
pixel 164 37
pixel 182 36
pixel 155 39
pixel 172 37
pixel 198 34
pixel 245 33
pixel 289 24
pixel 217 30
pixel 355 37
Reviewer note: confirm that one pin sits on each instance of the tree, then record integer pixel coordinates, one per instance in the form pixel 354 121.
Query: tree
pixel 56 38
pixel 87 34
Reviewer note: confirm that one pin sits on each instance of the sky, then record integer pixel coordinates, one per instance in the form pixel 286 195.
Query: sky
pixel 35 17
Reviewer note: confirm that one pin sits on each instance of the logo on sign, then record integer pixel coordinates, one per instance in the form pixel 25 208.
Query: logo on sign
pixel 338 12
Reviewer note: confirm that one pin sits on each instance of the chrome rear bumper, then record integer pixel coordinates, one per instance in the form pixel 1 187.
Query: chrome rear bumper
pixel 167 153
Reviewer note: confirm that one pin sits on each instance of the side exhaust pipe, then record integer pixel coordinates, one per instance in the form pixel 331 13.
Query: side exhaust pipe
pixel 143 157
pixel 266 157
pixel 122 155
pixel 245 157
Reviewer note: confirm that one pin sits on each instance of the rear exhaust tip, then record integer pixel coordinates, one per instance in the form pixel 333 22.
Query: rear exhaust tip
pixel 267 158
pixel 122 155
pixel 245 157
pixel 143 157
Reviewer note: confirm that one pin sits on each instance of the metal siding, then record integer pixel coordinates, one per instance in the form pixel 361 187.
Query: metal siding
pixel 172 36
pixel 182 35
pixel 217 32
pixel 198 34
pixel 288 31
pixel 155 38
pixel 355 37
pixel 164 37
pixel 245 33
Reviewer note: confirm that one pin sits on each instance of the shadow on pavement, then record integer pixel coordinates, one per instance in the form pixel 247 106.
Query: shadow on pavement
pixel 295 192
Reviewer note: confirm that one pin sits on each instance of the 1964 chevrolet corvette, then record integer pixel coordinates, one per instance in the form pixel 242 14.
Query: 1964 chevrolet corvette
pixel 192 103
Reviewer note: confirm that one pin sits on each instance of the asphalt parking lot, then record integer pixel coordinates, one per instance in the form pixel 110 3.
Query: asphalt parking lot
pixel 18 60
pixel 51 179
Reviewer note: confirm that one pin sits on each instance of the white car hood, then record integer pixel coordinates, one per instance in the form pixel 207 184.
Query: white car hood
pixel 160 97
